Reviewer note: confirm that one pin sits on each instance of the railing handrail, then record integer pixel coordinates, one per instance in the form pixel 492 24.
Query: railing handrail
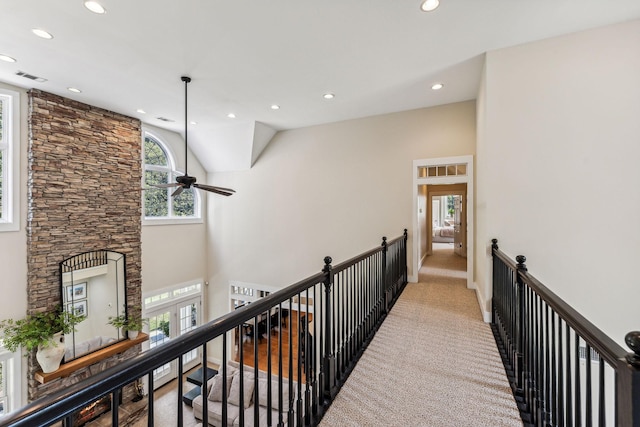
pixel 601 342
pixel 70 399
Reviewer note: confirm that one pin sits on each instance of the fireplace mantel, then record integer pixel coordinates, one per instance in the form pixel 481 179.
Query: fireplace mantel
pixel 91 358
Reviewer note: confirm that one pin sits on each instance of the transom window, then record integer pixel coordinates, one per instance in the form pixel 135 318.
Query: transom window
pixel 9 160
pixel 158 204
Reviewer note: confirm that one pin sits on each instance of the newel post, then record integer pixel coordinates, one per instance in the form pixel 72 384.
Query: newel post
pixel 520 320
pixel 628 384
pixel 328 358
pixel 385 284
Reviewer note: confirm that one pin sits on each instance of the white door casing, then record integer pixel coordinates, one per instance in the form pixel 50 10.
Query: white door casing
pixel 442 180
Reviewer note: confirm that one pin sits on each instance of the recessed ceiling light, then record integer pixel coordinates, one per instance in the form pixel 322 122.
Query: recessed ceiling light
pixel 74 90
pixel 193 123
pixel 41 33
pixel 231 116
pixel 437 86
pixel 328 96
pixel 141 111
pixel 275 107
pixel 429 5
pixel 94 7
pixel 7 58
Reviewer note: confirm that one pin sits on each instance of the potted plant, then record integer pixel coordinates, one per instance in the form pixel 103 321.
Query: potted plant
pixel 130 323
pixel 42 332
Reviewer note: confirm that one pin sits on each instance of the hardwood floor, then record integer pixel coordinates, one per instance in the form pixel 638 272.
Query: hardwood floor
pixel 279 342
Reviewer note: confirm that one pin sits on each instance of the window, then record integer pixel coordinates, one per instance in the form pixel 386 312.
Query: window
pixel 9 381
pixel 9 160
pixel 159 206
pixel 171 313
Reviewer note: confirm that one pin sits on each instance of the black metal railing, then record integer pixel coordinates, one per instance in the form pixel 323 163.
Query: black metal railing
pixel 563 370
pixel 315 331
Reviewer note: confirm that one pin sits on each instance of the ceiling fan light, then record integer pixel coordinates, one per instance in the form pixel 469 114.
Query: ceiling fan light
pixel 429 5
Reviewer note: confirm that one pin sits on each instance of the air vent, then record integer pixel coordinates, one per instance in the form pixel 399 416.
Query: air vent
pixel 31 77
pixel 164 119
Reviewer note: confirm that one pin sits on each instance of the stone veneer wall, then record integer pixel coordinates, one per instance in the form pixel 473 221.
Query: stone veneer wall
pixel 84 168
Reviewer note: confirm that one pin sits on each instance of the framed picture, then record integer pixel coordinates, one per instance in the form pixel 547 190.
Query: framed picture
pixel 77 292
pixel 79 308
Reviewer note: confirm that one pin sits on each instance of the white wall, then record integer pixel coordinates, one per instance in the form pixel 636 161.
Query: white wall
pixel 558 145
pixel 334 189
pixel 13 244
pixel 175 254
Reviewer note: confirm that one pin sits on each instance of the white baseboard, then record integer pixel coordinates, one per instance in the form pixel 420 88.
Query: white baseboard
pixel 213 360
pixel 486 315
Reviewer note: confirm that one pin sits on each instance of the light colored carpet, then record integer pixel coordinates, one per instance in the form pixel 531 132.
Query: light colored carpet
pixel 433 362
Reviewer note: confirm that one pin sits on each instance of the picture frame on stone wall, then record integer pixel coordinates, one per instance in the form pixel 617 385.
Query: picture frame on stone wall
pixel 77 292
pixel 78 307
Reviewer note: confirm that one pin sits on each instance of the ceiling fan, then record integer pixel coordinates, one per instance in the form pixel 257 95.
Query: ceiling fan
pixel 186 181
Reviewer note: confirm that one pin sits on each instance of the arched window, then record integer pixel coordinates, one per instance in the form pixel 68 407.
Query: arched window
pixel 159 168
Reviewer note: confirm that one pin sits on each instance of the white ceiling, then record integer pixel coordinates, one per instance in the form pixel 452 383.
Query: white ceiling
pixel 377 56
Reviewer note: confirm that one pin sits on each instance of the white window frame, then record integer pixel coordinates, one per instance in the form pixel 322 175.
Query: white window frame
pixel 10 145
pixel 169 300
pixel 173 173
pixel 12 378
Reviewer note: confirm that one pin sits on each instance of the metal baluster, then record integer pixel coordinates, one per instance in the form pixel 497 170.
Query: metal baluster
pixel 180 409
pixel 526 364
pixel 568 385
pixel 256 397
pixel 290 419
pixel 578 392
pixel 588 399
pixel 115 405
pixel 150 401
pixel 561 368
pixel 553 395
pixel 602 418
pixel 205 406
pixel 269 367
pixel 280 368
pixel 316 345
pixel 308 362
pixel 539 385
pixel 256 336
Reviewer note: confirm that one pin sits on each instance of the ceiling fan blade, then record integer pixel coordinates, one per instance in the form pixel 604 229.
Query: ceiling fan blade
pixel 173 184
pixel 178 191
pixel 213 189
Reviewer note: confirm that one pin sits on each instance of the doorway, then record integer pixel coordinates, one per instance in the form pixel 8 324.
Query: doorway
pixel 437 172
pixel 446 220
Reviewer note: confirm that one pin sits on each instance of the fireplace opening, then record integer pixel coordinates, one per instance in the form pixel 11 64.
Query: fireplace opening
pixel 92 411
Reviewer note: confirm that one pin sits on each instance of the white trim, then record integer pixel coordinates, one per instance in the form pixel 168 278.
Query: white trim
pixel 172 300
pixel 11 198
pixel 458 179
pixel 486 315
pixel 173 171
pixel 14 381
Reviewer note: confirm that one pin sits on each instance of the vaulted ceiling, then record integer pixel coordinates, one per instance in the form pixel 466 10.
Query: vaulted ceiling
pixel 375 56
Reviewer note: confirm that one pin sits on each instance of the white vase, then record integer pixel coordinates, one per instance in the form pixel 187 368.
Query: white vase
pixel 133 335
pixel 50 356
